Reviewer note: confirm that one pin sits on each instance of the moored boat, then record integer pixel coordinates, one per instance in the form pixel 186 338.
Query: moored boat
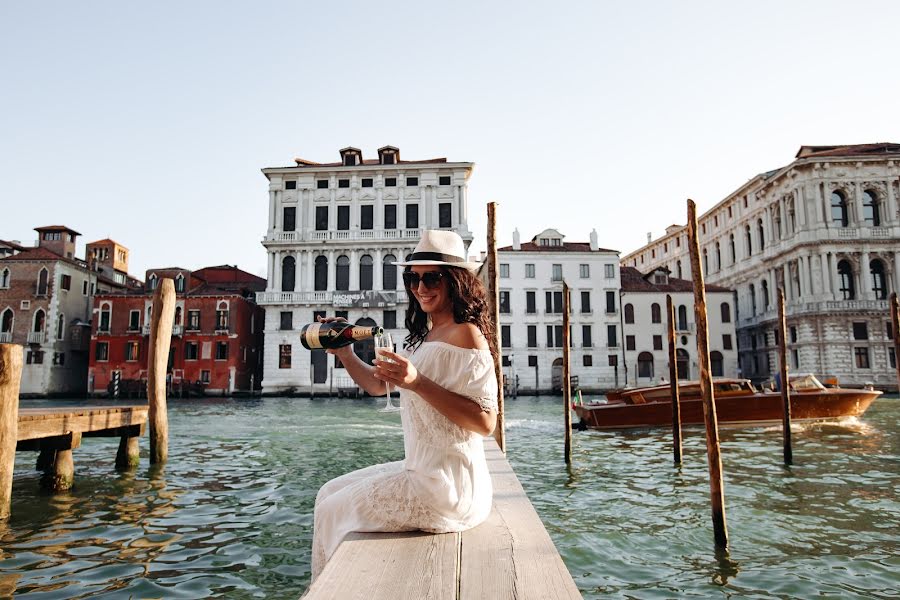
pixel 738 402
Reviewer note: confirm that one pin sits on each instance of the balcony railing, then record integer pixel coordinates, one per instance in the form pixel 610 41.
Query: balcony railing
pixel 37 337
pixel 342 235
pixel 6 337
pixel 319 297
pixel 176 330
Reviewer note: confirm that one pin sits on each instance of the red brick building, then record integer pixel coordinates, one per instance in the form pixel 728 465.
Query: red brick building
pixel 217 337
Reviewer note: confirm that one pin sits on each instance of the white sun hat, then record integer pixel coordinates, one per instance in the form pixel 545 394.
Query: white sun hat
pixel 439 247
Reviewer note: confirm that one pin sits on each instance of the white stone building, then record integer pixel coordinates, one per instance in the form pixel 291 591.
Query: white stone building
pixel 531 275
pixel 825 228
pixel 335 230
pixel 645 323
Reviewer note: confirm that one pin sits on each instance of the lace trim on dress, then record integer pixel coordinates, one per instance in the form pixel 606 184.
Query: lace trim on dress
pixel 487 404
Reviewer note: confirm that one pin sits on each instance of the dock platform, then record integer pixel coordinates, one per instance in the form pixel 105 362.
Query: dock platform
pixel 510 555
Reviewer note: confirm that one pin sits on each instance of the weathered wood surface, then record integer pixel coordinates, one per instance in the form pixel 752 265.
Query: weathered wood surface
pixel 788 450
pixel 714 458
pixel 567 376
pixel 673 383
pixel 493 289
pixel 10 378
pixel 895 333
pixel 510 555
pixel 37 423
pixel 162 317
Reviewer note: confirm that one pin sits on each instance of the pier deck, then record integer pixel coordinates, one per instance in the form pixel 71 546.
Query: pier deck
pixel 510 555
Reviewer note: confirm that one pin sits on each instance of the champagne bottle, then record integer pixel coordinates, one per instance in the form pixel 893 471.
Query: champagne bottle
pixel 335 334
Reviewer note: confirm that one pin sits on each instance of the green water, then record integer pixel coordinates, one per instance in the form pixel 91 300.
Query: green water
pixel 230 515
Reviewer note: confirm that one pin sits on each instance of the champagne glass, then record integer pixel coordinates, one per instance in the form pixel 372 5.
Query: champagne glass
pixel 385 342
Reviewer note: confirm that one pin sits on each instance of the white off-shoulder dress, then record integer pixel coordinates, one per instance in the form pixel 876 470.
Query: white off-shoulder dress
pixel 442 485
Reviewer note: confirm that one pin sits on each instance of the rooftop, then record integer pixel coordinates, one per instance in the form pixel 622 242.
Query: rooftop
pixel 635 281
pixel 848 150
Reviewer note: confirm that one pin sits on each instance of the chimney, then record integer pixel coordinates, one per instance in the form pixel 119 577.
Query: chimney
pixel 516 243
pixel 649 237
pixel 594 245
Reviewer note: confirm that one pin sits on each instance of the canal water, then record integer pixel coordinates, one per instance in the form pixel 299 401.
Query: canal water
pixel 230 515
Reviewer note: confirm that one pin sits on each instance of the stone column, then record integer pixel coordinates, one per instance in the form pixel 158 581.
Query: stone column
pixel 377 269
pixel 827 287
pixel 277 285
pixel 889 215
pixel 896 282
pixel 463 208
pixel 835 278
pixel 858 205
pixel 800 207
pixel 354 269
pixel 332 269
pixel 310 271
pixel 354 204
pixel 271 211
pixel 788 285
pixel 802 274
pixel 865 278
pixel 820 204
pixel 270 271
pixel 298 270
pixel 311 215
pixel 378 217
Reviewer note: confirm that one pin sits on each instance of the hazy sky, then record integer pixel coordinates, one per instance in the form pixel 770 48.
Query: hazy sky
pixel 149 122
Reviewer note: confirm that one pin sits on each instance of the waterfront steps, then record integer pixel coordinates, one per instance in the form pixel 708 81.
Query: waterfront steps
pixel 510 555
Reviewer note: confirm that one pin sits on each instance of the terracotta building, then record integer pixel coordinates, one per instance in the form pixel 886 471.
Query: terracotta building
pixel 217 335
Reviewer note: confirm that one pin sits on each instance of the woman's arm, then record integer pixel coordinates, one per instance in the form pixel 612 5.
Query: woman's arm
pixel 459 409
pixel 362 374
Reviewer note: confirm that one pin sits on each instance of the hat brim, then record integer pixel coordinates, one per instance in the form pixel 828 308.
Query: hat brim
pixel 471 266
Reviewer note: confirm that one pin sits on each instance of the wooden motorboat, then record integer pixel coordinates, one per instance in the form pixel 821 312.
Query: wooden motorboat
pixel 737 403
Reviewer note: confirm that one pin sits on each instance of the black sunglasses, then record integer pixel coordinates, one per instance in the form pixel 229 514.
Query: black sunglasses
pixel 431 279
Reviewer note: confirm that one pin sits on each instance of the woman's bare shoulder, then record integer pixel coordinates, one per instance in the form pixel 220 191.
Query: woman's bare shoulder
pixel 467 335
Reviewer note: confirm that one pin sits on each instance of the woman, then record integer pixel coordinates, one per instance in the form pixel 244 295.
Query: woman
pixel 448 393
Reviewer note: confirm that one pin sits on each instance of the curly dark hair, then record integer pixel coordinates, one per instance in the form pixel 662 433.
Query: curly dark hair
pixel 470 305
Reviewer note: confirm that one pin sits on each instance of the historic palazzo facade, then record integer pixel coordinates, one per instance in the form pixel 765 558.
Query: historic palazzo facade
pixel 335 231
pixel 826 229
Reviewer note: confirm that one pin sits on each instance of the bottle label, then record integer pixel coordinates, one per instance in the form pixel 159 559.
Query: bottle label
pixel 360 333
pixel 312 335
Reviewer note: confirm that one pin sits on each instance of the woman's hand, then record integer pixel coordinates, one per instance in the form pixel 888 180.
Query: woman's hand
pixel 343 352
pixel 399 371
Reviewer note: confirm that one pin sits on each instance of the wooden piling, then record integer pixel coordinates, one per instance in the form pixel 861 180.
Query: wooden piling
pixel 162 319
pixel 129 454
pixel 567 376
pixel 673 382
pixel 716 485
pixel 10 379
pixel 785 387
pixel 494 295
pixel 895 332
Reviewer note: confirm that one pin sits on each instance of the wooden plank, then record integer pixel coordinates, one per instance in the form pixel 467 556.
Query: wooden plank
pixel 511 555
pixel 33 425
pixel 10 378
pixel 390 566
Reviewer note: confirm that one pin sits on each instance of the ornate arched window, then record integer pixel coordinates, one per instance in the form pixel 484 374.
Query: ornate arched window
pixel 748 240
pixel 645 365
pixel 42 284
pixel 762 234
pixel 705 262
pixel 732 249
pixel 61 326
pixel 320 275
pixel 777 220
pixel 682 318
pixel 342 273
pixel 222 316
pixel 152 281
pixel 718 257
pixel 726 312
pixel 655 316
pixel 7 320
pixel 106 317
pixel 716 364
pixel 288 273
pixel 845 275
pixel 178 315
pixel 879 285
pixel 765 293
pixel 4 278
pixel 179 283
pixel 839 209
pixel 365 272
pixel 629 313
pixel 752 300
pixel 682 364
pixel 389 272
pixel 39 319
pixel 871 212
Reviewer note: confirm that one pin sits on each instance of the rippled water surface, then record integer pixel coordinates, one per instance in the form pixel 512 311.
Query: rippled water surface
pixel 230 514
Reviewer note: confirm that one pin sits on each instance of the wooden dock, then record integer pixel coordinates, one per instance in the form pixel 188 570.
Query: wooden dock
pixel 510 555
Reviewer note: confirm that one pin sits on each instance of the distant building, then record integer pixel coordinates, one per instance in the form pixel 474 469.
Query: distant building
pixel 216 339
pixel 335 231
pixel 45 300
pixel 826 229
pixel 645 354
pixel 531 276
pixel 110 260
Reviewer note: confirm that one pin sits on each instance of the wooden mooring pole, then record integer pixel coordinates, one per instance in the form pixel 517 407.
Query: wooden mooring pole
pixel 673 379
pixel 566 375
pixel 162 319
pixel 895 332
pixel 494 294
pixel 10 379
pixel 716 485
pixel 785 387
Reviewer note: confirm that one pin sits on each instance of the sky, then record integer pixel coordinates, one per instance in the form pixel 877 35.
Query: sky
pixel 149 122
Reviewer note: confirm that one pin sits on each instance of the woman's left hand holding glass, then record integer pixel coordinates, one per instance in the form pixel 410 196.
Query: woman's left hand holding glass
pixel 399 371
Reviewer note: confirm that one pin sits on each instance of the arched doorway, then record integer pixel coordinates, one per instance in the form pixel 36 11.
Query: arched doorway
pixel 556 374
pixel 365 349
pixel 683 364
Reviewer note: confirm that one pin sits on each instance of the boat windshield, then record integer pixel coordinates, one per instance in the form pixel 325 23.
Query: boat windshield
pixel 806 381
